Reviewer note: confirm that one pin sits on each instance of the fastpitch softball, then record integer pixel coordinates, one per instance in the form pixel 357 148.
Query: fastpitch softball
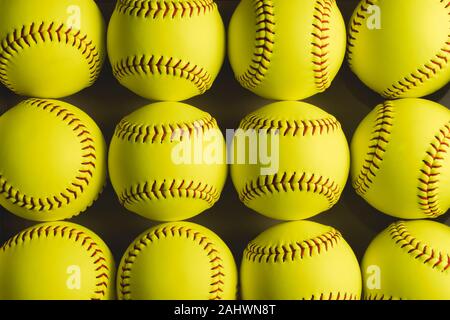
pixel 399 158
pixel 401 48
pixel 53 162
pixel 286 50
pixel 177 260
pixel 408 261
pixel 310 160
pixel 300 260
pixel 56 261
pixel 166 50
pixel 50 48
pixel 167 161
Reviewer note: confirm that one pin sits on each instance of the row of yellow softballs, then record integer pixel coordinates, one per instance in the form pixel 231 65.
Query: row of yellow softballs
pixel 173 50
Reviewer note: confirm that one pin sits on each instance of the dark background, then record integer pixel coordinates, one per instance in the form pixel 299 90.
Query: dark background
pixel 107 102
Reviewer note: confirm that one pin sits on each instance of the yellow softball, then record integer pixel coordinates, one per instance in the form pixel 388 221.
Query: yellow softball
pixel 286 50
pixel 53 160
pixel 166 50
pixel 297 261
pixel 401 48
pixel 290 160
pixel 177 261
pixel 408 261
pixel 399 158
pixel 167 161
pixel 56 261
pixel 50 48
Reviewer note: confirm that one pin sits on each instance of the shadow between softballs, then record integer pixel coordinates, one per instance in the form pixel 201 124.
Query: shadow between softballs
pixel 373 219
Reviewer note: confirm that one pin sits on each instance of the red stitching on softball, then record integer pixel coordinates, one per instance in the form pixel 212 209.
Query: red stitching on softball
pixel 291 127
pixel 297 250
pixel 320 43
pixel 428 181
pixel 165 132
pixel 417 249
pixel 355 23
pixel 284 182
pixel 157 190
pixel 378 143
pixel 159 65
pixel 265 23
pixel 165 9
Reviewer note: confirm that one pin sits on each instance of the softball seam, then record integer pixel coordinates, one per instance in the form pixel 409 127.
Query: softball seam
pixel 158 190
pixel 85 173
pixel 418 250
pixel 425 72
pixel 264 43
pixel 161 65
pixel 355 23
pixel 428 181
pixel 216 262
pixel 320 43
pixel 293 251
pixel 379 140
pixel 379 296
pixel 36 33
pixel 86 241
pixel 165 9
pixel 167 132
pixel 291 128
pixel 334 296
pixel 285 182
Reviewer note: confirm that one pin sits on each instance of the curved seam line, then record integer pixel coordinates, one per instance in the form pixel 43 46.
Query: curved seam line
pixel 283 183
pixel 379 140
pixel 264 43
pixel 355 23
pixel 320 43
pixel 418 250
pixel 165 9
pixel 151 65
pixel 380 296
pixel 151 190
pixel 291 127
pixel 293 251
pixel 428 180
pixel 169 132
